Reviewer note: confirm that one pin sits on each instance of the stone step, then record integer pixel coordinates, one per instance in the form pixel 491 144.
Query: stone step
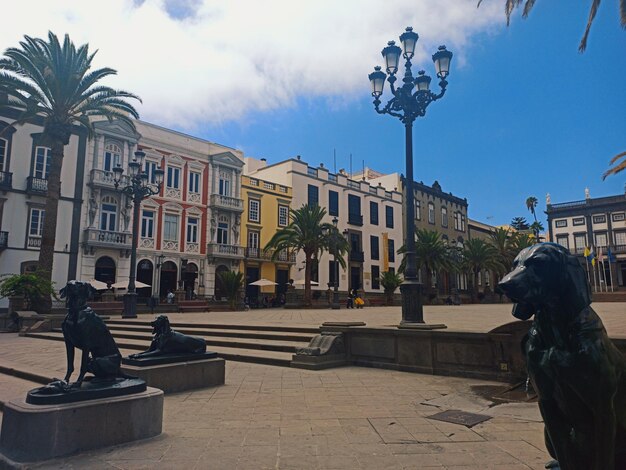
pixel 202 331
pixel 269 357
pixel 219 326
pixel 14 387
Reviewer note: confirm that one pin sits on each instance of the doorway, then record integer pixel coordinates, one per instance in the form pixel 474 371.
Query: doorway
pixel 252 292
pixel 105 270
pixel 282 279
pixel 145 271
pixel 169 275
pixel 189 280
pixel 219 289
pixel 355 277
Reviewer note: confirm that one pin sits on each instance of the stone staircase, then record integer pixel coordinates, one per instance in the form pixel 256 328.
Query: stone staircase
pixel 263 344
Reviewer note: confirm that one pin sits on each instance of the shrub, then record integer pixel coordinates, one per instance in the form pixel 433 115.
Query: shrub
pixel 33 288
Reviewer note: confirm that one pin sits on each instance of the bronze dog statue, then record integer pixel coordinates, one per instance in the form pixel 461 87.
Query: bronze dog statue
pixel 85 330
pixel 168 341
pixel 578 373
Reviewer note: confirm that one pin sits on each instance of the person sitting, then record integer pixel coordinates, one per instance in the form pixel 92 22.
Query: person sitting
pixel 170 297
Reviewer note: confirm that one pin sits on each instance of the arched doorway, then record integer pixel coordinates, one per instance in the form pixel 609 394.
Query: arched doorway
pixel 145 270
pixel 189 280
pixel 169 274
pixel 105 270
pixel 219 290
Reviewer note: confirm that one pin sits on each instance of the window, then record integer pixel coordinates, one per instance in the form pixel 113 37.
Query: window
pixel 112 157
pixel 333 203
pixel 457 220
pixel 560 223
pixel 222 233
pixel 391 251
pixel 373 213
pixel 431 213
pixel 620 238
pixel 599 219
pixel 563 240
pixel 254 210
pixel 35 227
pixel 374 248
pixel 580 242
pixel 170 227
pixel 283 216
pixel 388 216
pixel 601 239
pixel 444 217
pixel 192 229
pixel 253 240
pixel 333 269
pixel 224 184
pixel 462 223
pixel 578 221
pixel 313 195
pixel 4 147
pixel 375 277
pixel 173 177
pixel 150 168
pixel 355 242
pixel 354 210
pixel 194 182
pixel 617 217
pixel 315 270
pixel 42 162
pixel 147 224
pixel 108 214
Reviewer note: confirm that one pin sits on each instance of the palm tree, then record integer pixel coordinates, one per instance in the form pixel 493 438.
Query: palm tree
pixel 536 227
pixel 390 282
pixel 431 253
pixel 510 5
pixel 501 240
pixel 478 255
pixel 618 167
pixel 519 241
pixel 54 82
pixel 308 233
pixel 519 223
pixel 232 282
pixel 531 203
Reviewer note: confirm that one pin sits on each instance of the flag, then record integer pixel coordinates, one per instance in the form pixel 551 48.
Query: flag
pixel 610 256
pixel 586 253
pixel 591 256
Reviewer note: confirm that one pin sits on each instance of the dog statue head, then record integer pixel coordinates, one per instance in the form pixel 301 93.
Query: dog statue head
pixel 160 325
pixel 77 294
pixel 546 275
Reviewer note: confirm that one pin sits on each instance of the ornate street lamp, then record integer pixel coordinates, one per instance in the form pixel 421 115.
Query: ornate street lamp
pixel 409 102
pixel 138 190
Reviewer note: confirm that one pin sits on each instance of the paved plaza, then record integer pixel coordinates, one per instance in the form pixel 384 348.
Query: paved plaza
pixel 268 417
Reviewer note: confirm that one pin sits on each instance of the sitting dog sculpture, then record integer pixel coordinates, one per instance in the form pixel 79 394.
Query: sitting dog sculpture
pixel 578 373
pixel 168 341
pixel 85 330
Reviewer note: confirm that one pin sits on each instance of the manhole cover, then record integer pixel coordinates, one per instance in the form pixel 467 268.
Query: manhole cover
pixel 460 417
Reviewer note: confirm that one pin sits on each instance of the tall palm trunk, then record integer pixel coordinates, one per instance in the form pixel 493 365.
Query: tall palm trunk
pixel 307 278
pixel 475 286
pixel 46 252
pixel 427 284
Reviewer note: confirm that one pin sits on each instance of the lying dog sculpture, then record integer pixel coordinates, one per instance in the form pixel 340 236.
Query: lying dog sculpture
pixel 578 373
pixel 85 330
pixel 168 341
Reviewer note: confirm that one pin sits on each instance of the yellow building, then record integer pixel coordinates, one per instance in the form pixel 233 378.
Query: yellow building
pixel 266 210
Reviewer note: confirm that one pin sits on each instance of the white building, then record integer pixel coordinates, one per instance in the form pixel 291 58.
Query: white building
pixel 369 216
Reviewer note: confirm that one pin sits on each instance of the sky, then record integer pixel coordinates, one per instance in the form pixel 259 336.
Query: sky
pixel 525 113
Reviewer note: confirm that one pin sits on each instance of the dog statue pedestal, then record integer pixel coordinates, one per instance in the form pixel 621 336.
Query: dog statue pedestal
pixel 39 432
pixel 188 372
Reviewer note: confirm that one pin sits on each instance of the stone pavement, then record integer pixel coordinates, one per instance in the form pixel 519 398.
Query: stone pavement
pixel 471 317
pixel 280 418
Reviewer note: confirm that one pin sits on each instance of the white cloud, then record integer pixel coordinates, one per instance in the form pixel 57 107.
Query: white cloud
pixel 195 61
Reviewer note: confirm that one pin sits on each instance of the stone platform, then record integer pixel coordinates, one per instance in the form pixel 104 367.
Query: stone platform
pixel 180 376
pixel 32 433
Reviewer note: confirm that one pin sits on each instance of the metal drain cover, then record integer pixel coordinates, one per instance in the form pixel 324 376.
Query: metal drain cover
pixel 460 417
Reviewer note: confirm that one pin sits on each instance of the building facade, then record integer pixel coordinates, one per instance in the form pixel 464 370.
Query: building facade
pixel 266 210
pixel 595 223
pixel 24 166
pixel 369 216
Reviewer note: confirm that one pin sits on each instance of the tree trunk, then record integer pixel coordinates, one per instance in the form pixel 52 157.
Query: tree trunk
pixel 427 284
pixel 475 287
pixel 46 252
pixel 307 279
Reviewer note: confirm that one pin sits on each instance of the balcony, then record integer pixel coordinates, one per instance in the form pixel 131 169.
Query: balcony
pixel 105 239
pixel 266 255
pixel 356 256
pixel 227 202
pixel 354 219
pixel 106 179
pixel 4 240
pixel 218 250
pixel 33 242
pixel 37 185
pixel 6 180
pixel 619 249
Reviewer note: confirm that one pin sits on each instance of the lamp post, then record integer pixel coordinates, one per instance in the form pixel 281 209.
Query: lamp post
pixel 335 304
pixel 409 102
pixel 138 190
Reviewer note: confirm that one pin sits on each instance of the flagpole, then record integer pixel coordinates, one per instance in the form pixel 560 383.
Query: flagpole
pixel 601 273
pixel 595 274
pixel 586 256
pixel 609 255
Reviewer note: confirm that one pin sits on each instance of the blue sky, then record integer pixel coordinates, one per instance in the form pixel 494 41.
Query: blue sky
pixel 527 114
